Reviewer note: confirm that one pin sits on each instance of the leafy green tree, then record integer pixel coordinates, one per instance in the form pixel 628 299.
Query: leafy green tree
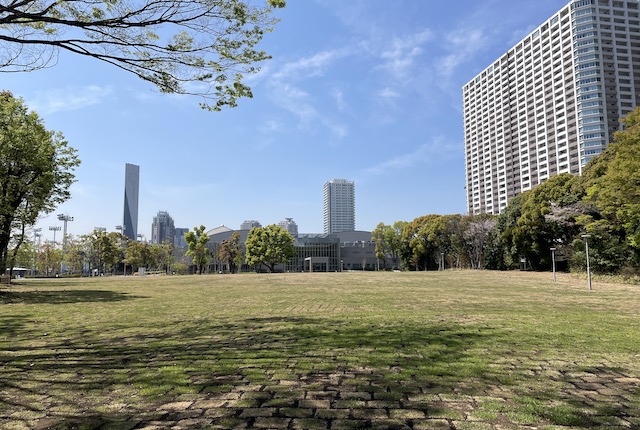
pixel 161 256
pixel 379 236
pixel 230 252
pixel 36 170
pixel 421 238
pixel 75 256
pixel 615 188
pixel 49 259
pixel 505 253
pixel 536 231
pixel 197 247
pixel 137 254
pixel 388 240
pixel 102 250
pixel 194 47
pixel 24 256
pixel 270 245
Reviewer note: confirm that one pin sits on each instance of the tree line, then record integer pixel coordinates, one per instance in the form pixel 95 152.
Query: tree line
pixel 603 205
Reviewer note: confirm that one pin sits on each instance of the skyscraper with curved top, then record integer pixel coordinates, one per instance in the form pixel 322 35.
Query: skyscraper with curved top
pixel 339 206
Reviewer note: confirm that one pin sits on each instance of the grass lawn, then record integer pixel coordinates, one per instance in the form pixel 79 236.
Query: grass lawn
pixel 430 350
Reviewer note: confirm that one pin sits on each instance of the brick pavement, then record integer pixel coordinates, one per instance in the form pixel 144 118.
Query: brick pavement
pixel 362 399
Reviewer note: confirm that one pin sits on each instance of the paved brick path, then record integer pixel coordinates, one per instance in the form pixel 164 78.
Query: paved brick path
pixel 333 401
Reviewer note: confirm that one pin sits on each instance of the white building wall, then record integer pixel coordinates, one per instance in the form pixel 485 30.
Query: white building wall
pixel 552 102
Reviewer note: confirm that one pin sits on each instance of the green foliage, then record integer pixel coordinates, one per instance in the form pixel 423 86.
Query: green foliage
pixel 104 250
pixel 162 256
pixel 537 230
pixel 197 242
pixel 270 245
pixel 194 47
pixel 49 259
pixel 137 254
pixel 612 184
pixel 74 256
pixel 388 240
pixel 427 239
pixel 36 169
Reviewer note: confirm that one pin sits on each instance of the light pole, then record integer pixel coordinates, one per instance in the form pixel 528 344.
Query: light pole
pixel 124 265
pixel 64 218
pixel 36 235
pixel 442 260
pixel 54 228
pixel 553 262
pixel 586 248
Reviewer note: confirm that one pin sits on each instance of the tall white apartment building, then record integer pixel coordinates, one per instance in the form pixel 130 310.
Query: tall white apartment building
pixel 552 102
pixel 339 206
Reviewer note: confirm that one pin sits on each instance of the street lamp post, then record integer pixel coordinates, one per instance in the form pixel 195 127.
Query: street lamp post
pixel 54 228
pixel 553 263
pixel 64 218
pixel 36 235
pixel 586 248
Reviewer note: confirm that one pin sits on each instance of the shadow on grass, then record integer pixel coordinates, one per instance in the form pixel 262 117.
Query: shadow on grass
pixel 103 378
pixel 57 297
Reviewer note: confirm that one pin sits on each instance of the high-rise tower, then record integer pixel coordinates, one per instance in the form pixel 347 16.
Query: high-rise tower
pixel 552 102
pixel 131 188
pixel 290 225
pixel 163 228
pixel 339 206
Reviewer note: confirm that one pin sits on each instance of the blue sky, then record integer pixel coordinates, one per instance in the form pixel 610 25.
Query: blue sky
pixel 365 90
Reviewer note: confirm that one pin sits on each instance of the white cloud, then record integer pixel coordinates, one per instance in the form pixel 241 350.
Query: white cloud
pixel 400 56
pixel 270 126
pixel 70 98
pixel 437 149
pixel 462 44
pixel 388 93
pixel 338 96
pixel 308 67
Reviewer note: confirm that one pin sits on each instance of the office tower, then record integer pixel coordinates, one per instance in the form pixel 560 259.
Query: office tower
pixel 339 206
pixel 552 102
pixel 178 239
pixel 290 225
pixel 131 187
pixel 249 224
pixel 163 229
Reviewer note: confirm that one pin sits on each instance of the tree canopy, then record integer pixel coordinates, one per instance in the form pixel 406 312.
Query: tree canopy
pixel 36 169
pixel 270 245
pixel 197 242
pixel 230 252
pixel 194 47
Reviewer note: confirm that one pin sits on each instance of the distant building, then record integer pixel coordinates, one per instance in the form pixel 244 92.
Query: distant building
pixel 178 237
pixel 131 189
pixel 249 224
pixel 289 225
pixel 344 251
pixel 339 206
pixel 163 229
